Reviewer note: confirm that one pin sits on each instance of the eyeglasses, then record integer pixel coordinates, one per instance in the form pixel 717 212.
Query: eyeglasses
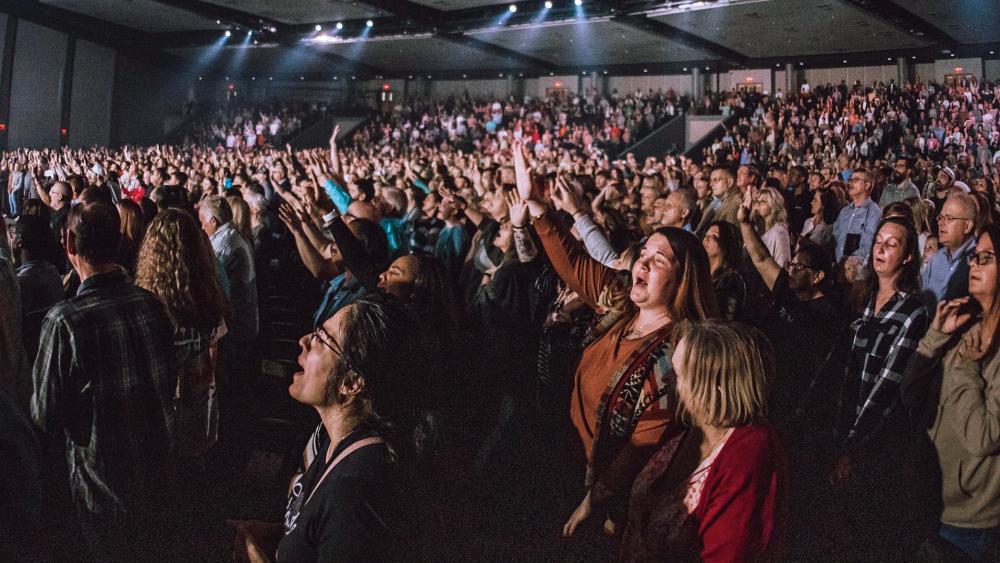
pixel 950 218
pixel 327 340
pixel 796 267
pixel 981 258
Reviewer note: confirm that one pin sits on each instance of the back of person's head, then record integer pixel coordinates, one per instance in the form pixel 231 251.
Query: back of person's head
pixel 373 239
pixel 898 209
pixel 133 224
pixel 396 200
pixel 724 371
pixel 384 346
pixel 176 263
pixel 367 187
pixel 95 195
pixel 256 202
pixel 217 208
pixel 241 216
pixel 94 231
pixel 37 238
pixel 693 298
pixel 35 208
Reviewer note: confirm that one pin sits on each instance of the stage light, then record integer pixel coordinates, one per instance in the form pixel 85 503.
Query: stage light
pixel 548 5
pixel 319 27
pixel 270 78
pixel 201 78
pixel 578 2
pixel 249 32
pixel 369 23
pixel 512 8
pixel 229 33
pixel 340 25
pixel 218 22
pixel 255 42
pixel 273 29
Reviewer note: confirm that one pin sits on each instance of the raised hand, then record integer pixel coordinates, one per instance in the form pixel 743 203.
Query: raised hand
pixel 518 209
pixel 949 316
pixel 336 132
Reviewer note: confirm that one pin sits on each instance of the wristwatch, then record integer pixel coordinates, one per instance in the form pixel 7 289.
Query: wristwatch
pixel 330 217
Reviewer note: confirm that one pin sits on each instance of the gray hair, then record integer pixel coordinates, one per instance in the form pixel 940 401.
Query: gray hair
pixel 218 208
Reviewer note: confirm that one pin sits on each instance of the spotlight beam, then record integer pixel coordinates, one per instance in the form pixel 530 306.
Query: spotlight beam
pixel 343 63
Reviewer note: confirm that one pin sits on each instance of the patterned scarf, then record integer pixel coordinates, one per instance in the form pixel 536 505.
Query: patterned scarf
pixel 625 399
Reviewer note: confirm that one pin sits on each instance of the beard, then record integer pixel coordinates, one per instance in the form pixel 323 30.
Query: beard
pixel 897 178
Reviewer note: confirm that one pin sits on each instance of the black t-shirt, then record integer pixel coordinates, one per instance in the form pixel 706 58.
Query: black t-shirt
pixel 802 332
pixel 350 516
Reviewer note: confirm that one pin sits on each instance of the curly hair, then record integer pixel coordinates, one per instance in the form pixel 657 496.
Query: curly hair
pixel 177 264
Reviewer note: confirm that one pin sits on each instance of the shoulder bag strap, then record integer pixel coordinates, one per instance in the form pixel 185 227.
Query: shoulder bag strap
pixel 347 451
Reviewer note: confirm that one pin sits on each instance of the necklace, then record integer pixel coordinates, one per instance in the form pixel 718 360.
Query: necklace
pixel 637 330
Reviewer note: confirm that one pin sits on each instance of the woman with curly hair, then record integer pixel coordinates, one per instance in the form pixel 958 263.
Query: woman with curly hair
pixel 177 264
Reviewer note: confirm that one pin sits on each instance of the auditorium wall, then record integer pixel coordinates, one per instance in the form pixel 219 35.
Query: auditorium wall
pixel 144 97
pixel 680 83
pixel 992 69
pixel 949 66
pixel 730 80
pixel 90 100
pixel 36 86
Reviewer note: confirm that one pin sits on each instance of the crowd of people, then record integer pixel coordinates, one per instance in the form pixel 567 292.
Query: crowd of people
pixel 609 122
pixel 784 349
pixel 246 126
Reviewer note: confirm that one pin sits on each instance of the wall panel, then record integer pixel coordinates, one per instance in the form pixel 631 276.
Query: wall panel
pixel 35 106
pixel 90 102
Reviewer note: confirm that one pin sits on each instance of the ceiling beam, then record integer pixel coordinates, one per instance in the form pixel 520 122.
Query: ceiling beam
pixel 686 38
pixel 497 50
pixel 409 10
pixel 905 21
pixel 222 13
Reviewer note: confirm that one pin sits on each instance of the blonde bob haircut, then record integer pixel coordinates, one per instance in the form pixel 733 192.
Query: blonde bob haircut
pixel 777 202
pixel 728 368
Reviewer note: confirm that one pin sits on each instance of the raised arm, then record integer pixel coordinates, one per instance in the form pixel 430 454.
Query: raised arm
pixel 761 258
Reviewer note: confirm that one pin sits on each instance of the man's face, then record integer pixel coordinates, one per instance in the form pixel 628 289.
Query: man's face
pixel 955 223
pixel 943 179
pixel 899 171
pixel 815 182
pixel 208 223
pixel 795 177
pixel 721 183
pixel 674 213
pixel 859 187
pixel 648 197
pixel 743 177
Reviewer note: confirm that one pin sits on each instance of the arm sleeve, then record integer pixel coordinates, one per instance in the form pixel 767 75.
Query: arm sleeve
pixel 582 273
pixel 868 236
pixel 596 243
pixel 356 258
pixel 52 370
pixel 422 185
pixel 921 366
pixel 972 408
pixel 338 195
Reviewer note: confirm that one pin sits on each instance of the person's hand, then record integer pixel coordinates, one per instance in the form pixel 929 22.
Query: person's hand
pixel 521 174
pixel 287 214
pixel 581 513
pixel 746 209
pixel 565 198
pixel 518 209
pixel 333 136
pixel 949 316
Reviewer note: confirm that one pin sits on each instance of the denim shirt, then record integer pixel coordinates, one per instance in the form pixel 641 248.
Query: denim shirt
pixel 862 220
pixel 947 274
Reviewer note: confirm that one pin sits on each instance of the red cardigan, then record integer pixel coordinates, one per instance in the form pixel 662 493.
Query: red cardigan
pixel 739 514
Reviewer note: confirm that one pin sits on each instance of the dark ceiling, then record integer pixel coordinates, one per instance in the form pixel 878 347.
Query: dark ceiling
pixel 483 38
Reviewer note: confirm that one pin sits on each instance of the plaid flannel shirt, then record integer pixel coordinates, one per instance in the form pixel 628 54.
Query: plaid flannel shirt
pixel 882 345
pixel 105 374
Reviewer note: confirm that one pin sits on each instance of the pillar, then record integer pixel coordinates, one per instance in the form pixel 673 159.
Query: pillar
pixel 6 72
pixel 791 84
pixel 697 84
pixel 774 87
pixel 66 93
pixel 902 71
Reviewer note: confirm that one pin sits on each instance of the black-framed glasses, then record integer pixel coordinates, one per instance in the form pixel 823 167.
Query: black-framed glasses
pixel 796 267
pixel 327 340
pixel 981 258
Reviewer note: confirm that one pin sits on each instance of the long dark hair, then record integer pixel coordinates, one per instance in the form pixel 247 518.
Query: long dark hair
pixel 386 348
pixel 730 244
pixel 909 276
pixel 693 298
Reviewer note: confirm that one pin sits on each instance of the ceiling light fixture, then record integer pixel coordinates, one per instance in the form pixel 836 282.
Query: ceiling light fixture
pixel 318 27
pixel 512 8
pixel 369 23
pixel 548 5
pixel 340 25
pixel 229 33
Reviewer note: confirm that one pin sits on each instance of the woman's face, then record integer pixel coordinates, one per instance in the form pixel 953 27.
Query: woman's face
pixel 711 241
pixel 889 251
pixel 398 279
pixel 654 273
pixel 762 206
pixel 505 235
pixel 983 278
pixel 930 247
pixel 817 205
pixel 320 352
